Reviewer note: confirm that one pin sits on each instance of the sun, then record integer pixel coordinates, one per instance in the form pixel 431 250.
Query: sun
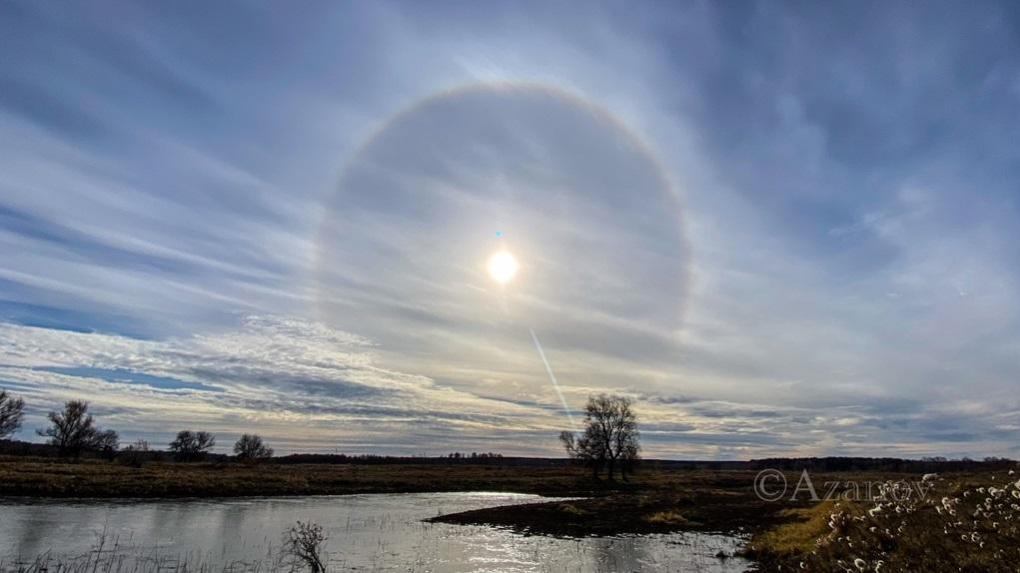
pixel 502 267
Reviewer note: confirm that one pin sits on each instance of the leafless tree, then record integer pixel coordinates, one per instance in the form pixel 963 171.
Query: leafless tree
pixel 11 414
pixel 303 542
pixel 73 431
pixel 191 446
pixel 250 448
pixel 106 443
pixel 610 438
pixel 584 451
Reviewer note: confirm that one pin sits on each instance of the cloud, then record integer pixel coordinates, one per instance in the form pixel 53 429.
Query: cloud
pixel 831 270
pixel 291 379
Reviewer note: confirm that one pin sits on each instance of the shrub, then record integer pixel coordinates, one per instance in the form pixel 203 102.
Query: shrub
pixel 303 544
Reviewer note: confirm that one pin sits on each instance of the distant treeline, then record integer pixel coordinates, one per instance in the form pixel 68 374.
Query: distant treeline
pixel 842 464
pixel 368 459
pixel 19 448
pixel 826 464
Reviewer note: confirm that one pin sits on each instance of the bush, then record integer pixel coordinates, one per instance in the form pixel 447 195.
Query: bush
pixel 303 545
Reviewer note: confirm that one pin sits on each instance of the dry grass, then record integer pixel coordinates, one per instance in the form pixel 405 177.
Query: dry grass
pixel 670 517
pixel 965 522
pixel 797 537
pixel 40 477
pixel 47 477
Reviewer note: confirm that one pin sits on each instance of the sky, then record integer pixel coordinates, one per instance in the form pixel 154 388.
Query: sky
pixel 782 229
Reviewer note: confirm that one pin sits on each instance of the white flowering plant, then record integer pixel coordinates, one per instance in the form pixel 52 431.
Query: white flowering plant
pixel 961 524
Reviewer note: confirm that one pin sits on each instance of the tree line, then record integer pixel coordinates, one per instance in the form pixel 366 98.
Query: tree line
pixel 73 431
pixel 609 441
pixel 474 456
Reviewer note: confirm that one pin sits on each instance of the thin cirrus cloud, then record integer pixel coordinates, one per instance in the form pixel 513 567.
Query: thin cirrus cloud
pixel 781 229
pixel 288 377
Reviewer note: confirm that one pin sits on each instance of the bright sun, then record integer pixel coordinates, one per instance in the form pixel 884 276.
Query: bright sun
pixel 502 267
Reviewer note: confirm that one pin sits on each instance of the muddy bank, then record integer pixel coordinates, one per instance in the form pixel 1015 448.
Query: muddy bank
pixel 697 510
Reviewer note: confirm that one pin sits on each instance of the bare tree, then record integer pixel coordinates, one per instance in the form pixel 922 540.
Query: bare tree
pixel 610 436
pixel 191 446
pixel 73 431
pixel 303 542
pixel 11 414
pixel 630 456
pixel 106 442
pixel 585 451
pixel 251 449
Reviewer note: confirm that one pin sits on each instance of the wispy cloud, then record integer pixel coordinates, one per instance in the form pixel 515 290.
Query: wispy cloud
pixel 291 379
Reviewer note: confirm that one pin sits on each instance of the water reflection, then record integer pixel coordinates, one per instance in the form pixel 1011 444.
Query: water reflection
pixel 366 532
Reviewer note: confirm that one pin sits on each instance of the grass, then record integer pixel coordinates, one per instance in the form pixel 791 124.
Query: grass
pixel 670 517
pixel 964 523
pixel 797 537
pixel 44 477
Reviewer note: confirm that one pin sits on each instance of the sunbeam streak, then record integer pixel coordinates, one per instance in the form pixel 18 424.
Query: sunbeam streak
pixel 552 378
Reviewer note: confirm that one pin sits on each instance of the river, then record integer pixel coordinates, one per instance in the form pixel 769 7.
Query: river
pixel 378 532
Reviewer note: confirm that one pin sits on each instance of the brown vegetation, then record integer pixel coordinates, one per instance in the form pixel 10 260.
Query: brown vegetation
pixel 49 477
pixel 963 522
pixel 654 501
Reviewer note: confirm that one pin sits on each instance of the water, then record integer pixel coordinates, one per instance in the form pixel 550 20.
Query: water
pixel 380 532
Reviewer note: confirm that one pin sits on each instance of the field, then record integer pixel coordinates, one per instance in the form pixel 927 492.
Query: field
pixel 48 477
pixel 960 521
